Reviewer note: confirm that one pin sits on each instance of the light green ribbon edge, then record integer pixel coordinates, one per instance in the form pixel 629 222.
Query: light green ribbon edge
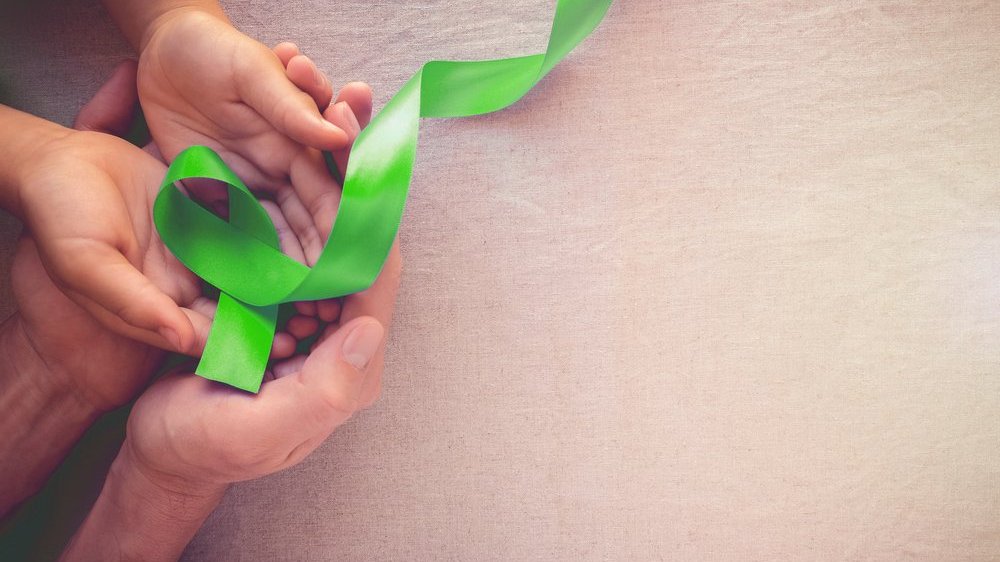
pixel 242 257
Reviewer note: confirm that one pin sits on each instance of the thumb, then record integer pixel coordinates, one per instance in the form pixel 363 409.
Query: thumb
pixel 113 106
pixel 327 390
pixel 287 108
pixel 337 369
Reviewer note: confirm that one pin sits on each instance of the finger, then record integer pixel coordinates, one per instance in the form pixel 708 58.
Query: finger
pixel 341 115
pixel 377 301
pixel 200 313
pixel 307 308
pixel 319 194
pixel 97 274
pixel 328 309
pixel 285 51
pixel 301 327
pixel 287 239
pixel 358 95
pixel 304 73
pixel 300 219
pixel 112 108
pixel 288 367
pixel 283 346
pixel 286 107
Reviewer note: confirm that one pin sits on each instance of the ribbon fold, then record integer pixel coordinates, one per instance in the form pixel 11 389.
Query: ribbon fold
pixel 241 256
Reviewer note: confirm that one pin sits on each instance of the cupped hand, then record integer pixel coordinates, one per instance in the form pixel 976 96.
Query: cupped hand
pixel 188 433
pixel 98 294
pixel 86 199
pixel 267 113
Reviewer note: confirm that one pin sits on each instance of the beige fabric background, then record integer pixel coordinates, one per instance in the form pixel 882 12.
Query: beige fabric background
pixel 725 286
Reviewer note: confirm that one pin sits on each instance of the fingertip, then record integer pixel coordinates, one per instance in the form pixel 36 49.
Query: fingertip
pixel 341 115
pixel 289 366
pixel 283 346
pixel 305 75
pixel 178 332
pixel 307 308
pixel 173 338
pixel 362 342
pixel 314 131
pixel 301 327
pixel 359 337
pixel 127 67
pixel 328 310
pixel 201 323
pixel 299 70
pixel 285 51
pixel 334 137
pixel 359 96
pixel 331 376
pixel 290 110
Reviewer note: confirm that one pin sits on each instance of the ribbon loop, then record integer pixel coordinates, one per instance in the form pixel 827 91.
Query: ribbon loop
pixel 242 257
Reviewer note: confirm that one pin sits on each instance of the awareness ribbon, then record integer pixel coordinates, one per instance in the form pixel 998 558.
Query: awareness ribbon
pixel 241 256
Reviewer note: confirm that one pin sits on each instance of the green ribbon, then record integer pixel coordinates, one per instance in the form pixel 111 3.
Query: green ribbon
pixel 241 256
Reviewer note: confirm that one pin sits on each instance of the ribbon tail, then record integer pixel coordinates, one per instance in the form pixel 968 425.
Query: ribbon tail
pixel 239 344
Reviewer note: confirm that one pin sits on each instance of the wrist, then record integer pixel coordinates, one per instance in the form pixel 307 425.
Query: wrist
pixel 170 12
pixel 43 417
pixel 29 377
pixel 21 151
pixel 180 490
pixel 142 515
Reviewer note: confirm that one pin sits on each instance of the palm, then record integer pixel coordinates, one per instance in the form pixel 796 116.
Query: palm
pixel 220 435
pixel 185 426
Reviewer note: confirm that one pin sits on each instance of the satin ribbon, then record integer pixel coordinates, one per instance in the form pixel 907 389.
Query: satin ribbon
pixel 242 257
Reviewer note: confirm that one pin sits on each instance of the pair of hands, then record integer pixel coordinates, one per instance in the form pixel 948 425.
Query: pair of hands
pixel 100 296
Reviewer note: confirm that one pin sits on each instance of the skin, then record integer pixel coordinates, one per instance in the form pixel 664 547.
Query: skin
pixel 74 281
pixel 177 461
pixel 102 284
pixel 199 81
pixel 268 113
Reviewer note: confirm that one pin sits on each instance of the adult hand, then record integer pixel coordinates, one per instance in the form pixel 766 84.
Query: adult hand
pixel 188 431
pixel 188 438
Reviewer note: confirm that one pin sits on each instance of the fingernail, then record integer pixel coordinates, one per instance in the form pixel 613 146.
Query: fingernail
pixel 171 336
pixel 362 344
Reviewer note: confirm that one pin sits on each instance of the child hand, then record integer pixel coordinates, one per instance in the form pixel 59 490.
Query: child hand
pixel 86 199
pixel 70 306
pixel 93 284
pixel 203 82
